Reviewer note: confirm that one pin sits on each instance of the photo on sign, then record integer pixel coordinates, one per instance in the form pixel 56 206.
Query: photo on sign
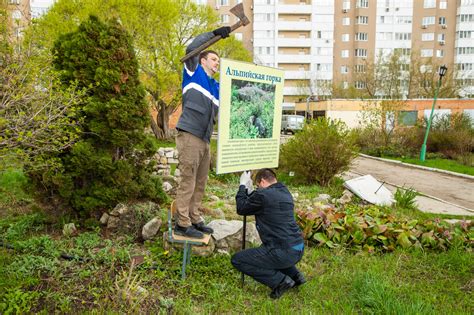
pixel 251 110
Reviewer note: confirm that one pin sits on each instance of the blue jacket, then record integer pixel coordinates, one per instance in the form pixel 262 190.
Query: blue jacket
pixel 273 209
pixel 200 95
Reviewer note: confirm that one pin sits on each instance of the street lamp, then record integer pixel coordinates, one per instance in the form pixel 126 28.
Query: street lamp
pixel 308 99
pixel 442 71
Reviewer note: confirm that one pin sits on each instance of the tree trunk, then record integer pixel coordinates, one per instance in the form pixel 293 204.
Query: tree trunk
pixel 160 128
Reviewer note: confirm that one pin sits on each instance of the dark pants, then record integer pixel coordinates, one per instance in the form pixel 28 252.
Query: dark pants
pixel 267 265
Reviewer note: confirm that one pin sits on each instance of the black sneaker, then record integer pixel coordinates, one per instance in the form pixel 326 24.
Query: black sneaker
pixel 286 284
pixel 203 228
pixel 188 231
pixel 299 279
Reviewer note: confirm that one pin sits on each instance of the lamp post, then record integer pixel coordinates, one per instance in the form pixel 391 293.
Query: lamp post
pixel 441 72
pixel 308 99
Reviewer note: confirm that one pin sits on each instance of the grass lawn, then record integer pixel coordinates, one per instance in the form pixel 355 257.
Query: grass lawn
pixel 443 164
pixel 33 277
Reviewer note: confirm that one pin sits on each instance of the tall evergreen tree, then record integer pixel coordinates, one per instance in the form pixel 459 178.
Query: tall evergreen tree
pixel 108 163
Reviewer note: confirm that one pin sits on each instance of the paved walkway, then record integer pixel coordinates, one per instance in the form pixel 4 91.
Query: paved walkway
pixel 444 193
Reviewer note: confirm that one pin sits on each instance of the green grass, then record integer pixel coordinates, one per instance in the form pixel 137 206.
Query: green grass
pixel 443 164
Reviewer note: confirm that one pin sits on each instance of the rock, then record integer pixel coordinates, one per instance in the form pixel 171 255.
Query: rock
pixel 173 161
pixel 322 198
pixel 104 218
pixel 167 186
pixel 203 251
pixel 228 234
pixel 69 229
pixel 176 154
pixel 169 154
pixel 119 210
pixel 151 228
pixel 164 172
pixel 113 223
pixel 295 195
pixel 163 160
pixel 218 213
pixel 346 197
pixel 163 166
pixel 177 172
pixel 161 152
pixel 214 198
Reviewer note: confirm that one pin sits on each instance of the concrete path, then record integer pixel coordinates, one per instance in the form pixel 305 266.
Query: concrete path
pixel 443 193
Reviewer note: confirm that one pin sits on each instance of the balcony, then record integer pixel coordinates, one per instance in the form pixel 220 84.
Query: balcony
pixel 294 25
pixel 293 42
pixel 289 74
pixel 297 58
pixel 294 9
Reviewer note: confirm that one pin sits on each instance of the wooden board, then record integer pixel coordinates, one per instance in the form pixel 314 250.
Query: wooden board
pixel 204 240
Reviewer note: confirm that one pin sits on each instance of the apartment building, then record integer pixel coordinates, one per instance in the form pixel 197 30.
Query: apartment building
pixel 318 42
pixel 18 17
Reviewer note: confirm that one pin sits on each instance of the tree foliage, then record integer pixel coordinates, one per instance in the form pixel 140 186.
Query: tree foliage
pixel 160 30
pixel 108 163
pixel 35 116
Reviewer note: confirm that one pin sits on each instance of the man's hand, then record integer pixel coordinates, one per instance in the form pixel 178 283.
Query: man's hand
pixel 223 31
pixel 245 178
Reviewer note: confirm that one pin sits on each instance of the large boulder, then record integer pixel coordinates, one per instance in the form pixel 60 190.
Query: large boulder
pixel 228 235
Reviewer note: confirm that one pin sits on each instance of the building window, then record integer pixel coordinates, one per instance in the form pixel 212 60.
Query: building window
pixel 427 53
pixel 403 20
pixel 362 3
pixel 466 18
pixel 383 19
pixel 407 118
pixel 344 69
pixel 345 53
pixel 238 36
pixel 427 37
pixel 384 35
pixel 346 21
pixel 439 53
pixel 359 68
pixel 346 5
pixel 359 85
pixel 362 19
pixel 361 37
pixel 428 20
pixel 224 18
pixel 345 85
pixel 441 37
pixel 427 4
pixel 345 37
pixel 16 14
pixel 402 51
pixel 442 20
pixel 464 34
pixel 224 2
pixel 402 36
pixel 359 52
pixel 443 4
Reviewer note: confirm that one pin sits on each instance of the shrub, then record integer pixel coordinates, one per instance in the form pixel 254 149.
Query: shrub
pixel 321 150
pixel 109 162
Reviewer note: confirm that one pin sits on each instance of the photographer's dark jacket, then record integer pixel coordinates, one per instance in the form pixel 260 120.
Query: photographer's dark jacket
pixel 273 209
pixel 200 95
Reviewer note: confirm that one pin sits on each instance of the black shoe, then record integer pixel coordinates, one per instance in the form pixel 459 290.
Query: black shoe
pixel 203 228
pixel 286 284
pixel 299 279
pixel 188 231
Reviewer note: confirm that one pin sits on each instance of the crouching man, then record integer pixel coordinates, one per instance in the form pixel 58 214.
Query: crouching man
pixel 273 263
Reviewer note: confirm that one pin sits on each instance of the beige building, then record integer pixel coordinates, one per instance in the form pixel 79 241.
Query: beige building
pixel 321 42
pixel 18 17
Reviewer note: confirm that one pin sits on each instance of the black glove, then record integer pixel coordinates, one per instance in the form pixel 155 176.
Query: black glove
pixel 223 31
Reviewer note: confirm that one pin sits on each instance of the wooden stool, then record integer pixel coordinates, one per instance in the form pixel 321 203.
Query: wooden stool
pixel 186 241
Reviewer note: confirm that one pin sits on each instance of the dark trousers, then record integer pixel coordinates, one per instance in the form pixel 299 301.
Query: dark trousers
pixel 267 265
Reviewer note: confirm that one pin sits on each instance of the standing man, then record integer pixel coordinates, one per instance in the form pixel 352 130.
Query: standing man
pixel 195 126
pixel 273 263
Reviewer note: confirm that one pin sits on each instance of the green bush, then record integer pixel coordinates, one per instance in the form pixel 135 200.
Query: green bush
pixel 110 161
pixel 321 150
pixel 405 198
